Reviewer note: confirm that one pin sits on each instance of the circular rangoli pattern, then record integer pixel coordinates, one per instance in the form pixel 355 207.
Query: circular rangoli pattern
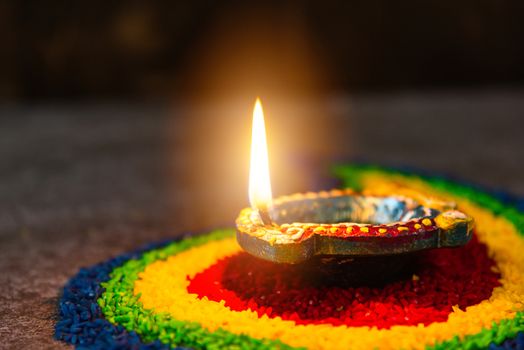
pixel 442 279
pixel 204 292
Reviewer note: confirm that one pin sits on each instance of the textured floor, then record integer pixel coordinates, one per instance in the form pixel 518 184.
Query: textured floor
pixel 82 182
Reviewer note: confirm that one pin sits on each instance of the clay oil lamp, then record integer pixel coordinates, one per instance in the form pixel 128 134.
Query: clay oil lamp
pixel 342 232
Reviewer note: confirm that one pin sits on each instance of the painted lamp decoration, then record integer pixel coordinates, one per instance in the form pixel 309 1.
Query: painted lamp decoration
pixel 340 223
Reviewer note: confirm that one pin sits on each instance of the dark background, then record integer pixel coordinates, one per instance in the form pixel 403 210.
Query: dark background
pixel 122 123
pixel 203 49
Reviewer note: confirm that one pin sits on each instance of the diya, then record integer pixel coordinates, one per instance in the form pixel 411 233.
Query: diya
pixel 344 223
pixel 340 227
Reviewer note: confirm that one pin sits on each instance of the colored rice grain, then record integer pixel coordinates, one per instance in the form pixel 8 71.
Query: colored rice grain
pixel 500 236
pixel 80 317
pixel 444 279
pixel 496 322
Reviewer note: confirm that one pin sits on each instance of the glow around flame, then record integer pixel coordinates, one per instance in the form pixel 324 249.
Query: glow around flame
pixel 260 196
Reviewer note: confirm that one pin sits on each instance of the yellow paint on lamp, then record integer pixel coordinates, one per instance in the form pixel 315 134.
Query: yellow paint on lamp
pixel 427 222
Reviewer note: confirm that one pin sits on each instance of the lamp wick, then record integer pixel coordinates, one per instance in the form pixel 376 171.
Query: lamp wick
pixel 264 216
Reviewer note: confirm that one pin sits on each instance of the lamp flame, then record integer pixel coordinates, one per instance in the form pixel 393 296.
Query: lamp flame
pixel 260 196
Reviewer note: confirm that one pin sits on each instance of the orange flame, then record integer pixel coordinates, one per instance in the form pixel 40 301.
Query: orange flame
pixel 260 196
